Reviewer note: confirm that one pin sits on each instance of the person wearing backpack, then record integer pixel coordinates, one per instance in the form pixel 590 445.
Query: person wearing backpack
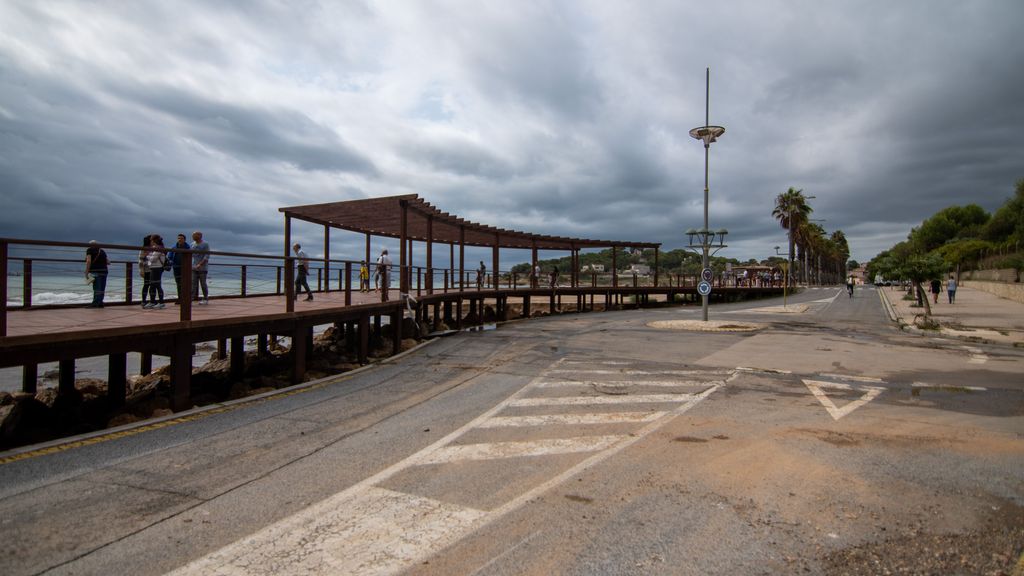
pixel 96 272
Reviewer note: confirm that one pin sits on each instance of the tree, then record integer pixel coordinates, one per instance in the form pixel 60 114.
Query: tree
pixel 949 224
pixel 1006 227
pixel 921 268
pixel 792 211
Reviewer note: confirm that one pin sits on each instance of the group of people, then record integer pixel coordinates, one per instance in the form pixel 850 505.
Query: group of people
pixel 154 259
pixel 380 275
pixel 936 287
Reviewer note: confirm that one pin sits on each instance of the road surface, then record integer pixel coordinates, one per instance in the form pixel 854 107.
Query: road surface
pixel 813 437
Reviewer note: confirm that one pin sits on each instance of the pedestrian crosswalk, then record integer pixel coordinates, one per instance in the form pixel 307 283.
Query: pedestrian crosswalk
pixel 576 414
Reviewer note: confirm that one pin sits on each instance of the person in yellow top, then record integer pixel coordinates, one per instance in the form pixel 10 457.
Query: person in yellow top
pixel 364 277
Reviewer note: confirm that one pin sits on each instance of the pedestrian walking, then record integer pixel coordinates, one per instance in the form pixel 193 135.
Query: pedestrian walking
pixel 301 272
pixel 144 270
pixel 200 267
pixel 951 288
pixel 157 261
pixel 96 273
pixel 554 277
pixel 383 266
pixel 936 288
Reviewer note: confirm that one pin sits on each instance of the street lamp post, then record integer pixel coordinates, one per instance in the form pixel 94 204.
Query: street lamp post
pixel 706 134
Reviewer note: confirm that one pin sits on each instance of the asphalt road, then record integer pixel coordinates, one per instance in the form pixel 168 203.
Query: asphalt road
pixel 797 439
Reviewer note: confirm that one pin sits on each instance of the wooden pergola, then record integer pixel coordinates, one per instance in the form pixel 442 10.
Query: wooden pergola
pixel 410 218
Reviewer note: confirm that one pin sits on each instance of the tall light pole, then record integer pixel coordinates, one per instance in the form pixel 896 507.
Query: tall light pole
pixel 707 134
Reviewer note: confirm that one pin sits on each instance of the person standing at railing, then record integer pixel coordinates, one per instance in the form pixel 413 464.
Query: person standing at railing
pixel 144 269
pixel 364 277
pixel 96 273
pixel 554 277
pixel 157 261
pixel 300 273
pixel 200 267
pixel 383 266
pixel 481 273
pixel 174 258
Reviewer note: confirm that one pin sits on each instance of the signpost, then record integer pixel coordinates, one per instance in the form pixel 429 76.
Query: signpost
pixel 704 288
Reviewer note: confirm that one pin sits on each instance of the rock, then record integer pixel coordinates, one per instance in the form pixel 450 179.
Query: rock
pixel 122 419
pixel 6 400
pixel 26 421
pixel 160 412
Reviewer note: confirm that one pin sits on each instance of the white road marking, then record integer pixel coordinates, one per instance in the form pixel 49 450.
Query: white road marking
pixel 589 400
pixel 623 383
pixel 927 385
pixel 640 372
pixel 572 419
pixel 815 386
pixel 499 450
pixel 978 356
pixel 768 370
pixel 853 378
pixel 367 529
pixel 601 362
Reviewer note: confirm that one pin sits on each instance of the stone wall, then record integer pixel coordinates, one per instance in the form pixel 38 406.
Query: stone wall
pixel 995 275
pixel 1009 290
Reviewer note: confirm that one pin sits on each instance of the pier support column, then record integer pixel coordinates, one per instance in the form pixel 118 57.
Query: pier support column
pixel 396 331
pixel 146 363
pixel 237 357
pixel 29 377
pixel 364 338
pixel 117 382
pixel 181 374
pixel 261 346
pixel 299 354
pixel 66 377
pixel 526 306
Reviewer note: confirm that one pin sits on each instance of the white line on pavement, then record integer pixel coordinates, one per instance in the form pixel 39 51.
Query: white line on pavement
pixel 625 383
pixel 589 400
pixel 815 386
pixel 500 450
pixel 573 419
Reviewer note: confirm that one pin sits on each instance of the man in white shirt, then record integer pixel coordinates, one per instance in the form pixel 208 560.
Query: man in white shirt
pixel 383 266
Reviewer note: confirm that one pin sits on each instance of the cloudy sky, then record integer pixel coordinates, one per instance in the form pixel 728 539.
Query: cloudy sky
pixel 558 117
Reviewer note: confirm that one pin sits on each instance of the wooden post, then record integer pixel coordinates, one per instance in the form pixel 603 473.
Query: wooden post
pixel 26 283
pixel 430 254
pixel 117 382
pixel 29 377
pixel 146 363
pixel 327 258
pixel 261 345
pixel 289 284
pixel 237 357
pixel 3 289
pixel 128 278
pixel 185 298
pixel 615 267
pixel 66 377
pixel 495 261
pixel 222 348
pixel 244 279
pixel 656 266
pixel 364 338
pixel 396 331
pixel 348 283
pixel 299 354
pixel 403 230
pixel 181 374
pixel 462 260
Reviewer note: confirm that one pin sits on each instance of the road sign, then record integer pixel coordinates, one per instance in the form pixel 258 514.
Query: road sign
pixel 706 274
pixel 704 288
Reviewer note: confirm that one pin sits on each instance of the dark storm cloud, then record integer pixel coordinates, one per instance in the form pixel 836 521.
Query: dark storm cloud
pixel 274 135
pixel 565 118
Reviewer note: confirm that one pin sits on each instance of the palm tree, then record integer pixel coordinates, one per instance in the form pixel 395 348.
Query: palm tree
pixel 792 211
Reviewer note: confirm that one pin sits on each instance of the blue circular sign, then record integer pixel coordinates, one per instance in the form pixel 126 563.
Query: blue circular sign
pixel 704 288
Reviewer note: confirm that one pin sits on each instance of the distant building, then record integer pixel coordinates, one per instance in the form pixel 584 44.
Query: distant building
pixel 639 269
pixel 592 268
